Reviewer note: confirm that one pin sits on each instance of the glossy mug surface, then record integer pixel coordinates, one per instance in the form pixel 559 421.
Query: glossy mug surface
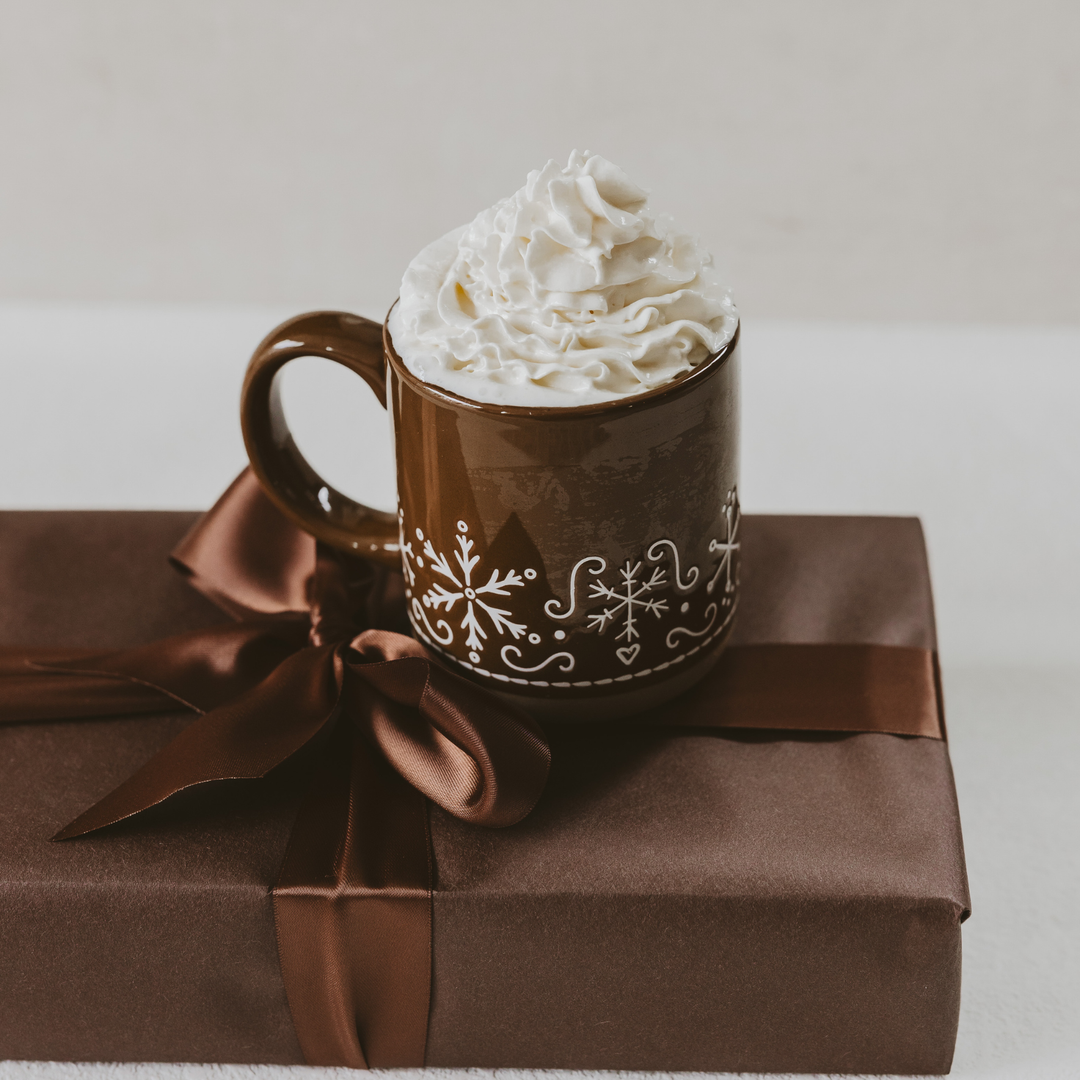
pixel 582 561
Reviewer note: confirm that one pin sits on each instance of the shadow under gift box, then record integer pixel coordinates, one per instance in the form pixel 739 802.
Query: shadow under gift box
pixel 717 901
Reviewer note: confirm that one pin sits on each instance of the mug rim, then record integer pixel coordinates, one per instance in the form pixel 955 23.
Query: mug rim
pixel 683 383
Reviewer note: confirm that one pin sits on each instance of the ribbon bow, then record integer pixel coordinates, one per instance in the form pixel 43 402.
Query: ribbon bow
pixel 311 668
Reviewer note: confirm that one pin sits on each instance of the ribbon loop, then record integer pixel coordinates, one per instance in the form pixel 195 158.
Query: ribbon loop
pixel 246 556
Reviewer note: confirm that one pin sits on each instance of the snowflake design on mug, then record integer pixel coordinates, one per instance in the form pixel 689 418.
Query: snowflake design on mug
pixel 729 547
pixel 479 612
pixel 462 588
pixel 630 595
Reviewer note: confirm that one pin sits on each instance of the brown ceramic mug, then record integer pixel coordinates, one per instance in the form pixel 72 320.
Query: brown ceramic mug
pixel 582 561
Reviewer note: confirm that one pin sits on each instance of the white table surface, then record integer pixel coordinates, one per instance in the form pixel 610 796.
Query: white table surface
pixel 974 429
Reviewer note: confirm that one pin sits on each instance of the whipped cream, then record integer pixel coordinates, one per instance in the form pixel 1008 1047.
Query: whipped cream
pixel 568 292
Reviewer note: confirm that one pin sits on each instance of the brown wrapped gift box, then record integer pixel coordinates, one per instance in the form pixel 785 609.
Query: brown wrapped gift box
pixel 706 901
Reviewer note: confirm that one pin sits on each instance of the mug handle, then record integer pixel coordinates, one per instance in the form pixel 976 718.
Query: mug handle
pixel 286 477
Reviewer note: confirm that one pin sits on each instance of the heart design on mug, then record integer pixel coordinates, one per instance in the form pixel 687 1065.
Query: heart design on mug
pixel 627 653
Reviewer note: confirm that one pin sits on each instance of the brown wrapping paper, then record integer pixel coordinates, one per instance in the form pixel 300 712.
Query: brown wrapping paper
pixel 754 901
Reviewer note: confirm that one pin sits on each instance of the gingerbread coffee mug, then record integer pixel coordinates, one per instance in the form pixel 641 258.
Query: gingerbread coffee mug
pixel 581 561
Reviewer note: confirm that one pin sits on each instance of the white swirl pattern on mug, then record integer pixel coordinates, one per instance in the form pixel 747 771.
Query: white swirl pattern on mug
pixel 626 602
pixel 566 293
pixel 551 608
pixel 641 673
pixel 672 638
pixel 418 614
pixel 567 659
pixel 656 553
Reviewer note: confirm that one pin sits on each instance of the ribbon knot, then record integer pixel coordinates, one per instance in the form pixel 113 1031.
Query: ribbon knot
pixel 268 689
pixel 478 759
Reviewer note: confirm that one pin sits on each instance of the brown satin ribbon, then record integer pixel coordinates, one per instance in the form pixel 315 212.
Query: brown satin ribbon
pixel 311 663
pixel 892 689
pixel 352 906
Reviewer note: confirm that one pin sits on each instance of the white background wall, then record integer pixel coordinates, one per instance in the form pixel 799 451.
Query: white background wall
pixel 848 160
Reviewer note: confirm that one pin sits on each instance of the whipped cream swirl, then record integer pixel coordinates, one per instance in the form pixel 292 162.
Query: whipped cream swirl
pixel 568 292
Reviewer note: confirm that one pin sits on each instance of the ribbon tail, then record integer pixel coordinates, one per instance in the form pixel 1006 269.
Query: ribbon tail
pixel 352 907
pixel 197 670
pixel 200 669
pixel 243 740
pixel 31 689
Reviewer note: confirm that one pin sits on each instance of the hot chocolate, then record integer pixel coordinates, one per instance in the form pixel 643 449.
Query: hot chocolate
pixel 563 382
pixel 569 292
